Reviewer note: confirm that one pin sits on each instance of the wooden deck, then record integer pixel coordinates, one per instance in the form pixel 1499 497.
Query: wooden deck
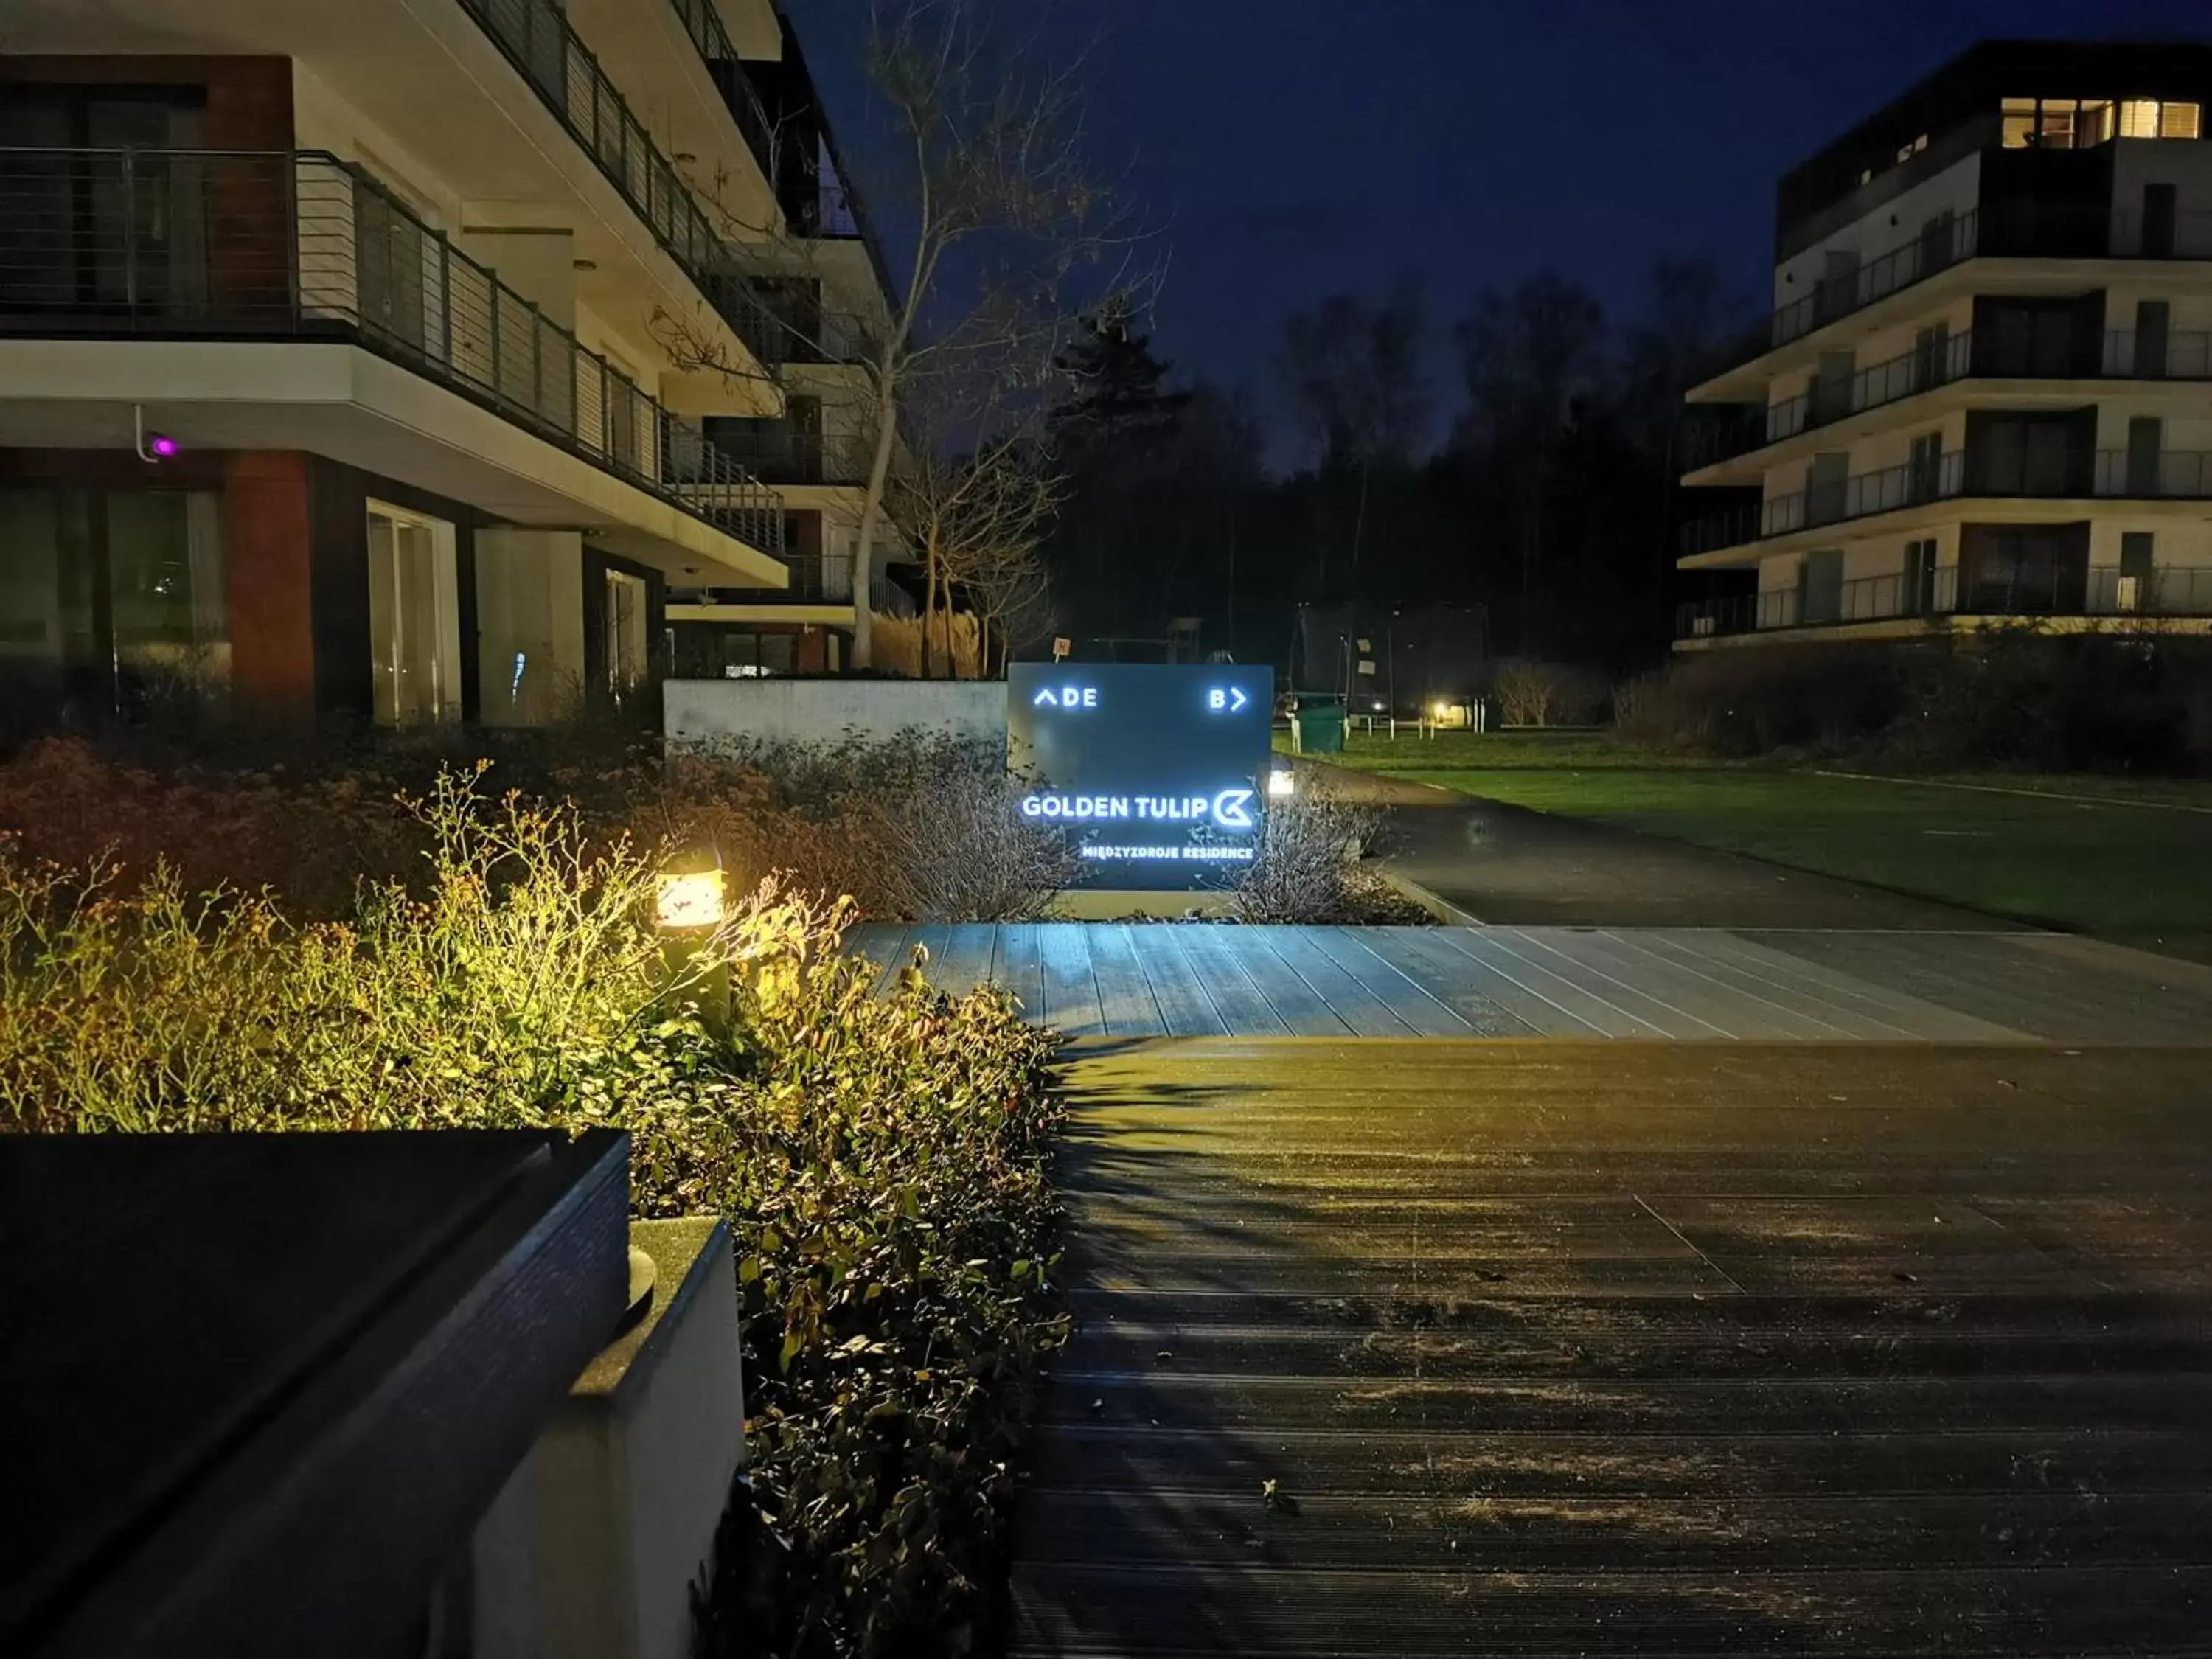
pixel 1413 1348
pixel 1104 979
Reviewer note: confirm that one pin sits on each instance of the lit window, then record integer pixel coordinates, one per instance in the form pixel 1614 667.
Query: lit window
pixel 2019 122
pixel 2139 119
pixel 1906 152
pixel 2096 124
pixel 2179 121
pixel 1866 175
pixel 414 617
pixel 2054 126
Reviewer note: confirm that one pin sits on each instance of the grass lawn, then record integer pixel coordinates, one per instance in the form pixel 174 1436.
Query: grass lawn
pixel 2141 873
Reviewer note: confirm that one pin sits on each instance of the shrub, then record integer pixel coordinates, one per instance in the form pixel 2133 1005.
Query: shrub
pixel 882 1163
pixel 1309 867
pixel 1532 693
pixel 1754 700
pixel 919 828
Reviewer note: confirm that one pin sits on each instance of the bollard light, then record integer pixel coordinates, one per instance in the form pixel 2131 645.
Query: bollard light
pixel 689 893
pixel 1282 782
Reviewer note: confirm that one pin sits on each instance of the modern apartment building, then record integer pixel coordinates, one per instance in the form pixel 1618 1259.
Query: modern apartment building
pixel 832 292
pixel 1984 394
pixel 335 381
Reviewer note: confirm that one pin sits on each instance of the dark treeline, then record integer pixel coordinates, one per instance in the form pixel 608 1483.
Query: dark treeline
pixel 1549 500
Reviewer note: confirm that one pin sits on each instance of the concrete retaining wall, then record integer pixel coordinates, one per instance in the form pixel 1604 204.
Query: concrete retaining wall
pixel 700 713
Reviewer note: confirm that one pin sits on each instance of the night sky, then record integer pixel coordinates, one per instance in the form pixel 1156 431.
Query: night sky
pixel 1292 149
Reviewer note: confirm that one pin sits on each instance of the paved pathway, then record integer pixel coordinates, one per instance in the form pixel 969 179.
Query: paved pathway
pixel 1090 979
pixel 1508 864
pixel 1442 1347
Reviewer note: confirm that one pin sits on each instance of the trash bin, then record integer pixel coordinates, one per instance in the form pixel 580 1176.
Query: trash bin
pixel 1318 723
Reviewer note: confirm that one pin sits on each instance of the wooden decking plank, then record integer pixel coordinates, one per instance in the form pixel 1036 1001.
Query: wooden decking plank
pixel 1699 1004
pixel 1575 956
pixel 1387 982
pixel 1126 1003
pixel 1366 1013
pixel 1071 990
pixel 963 960
pixel 1297 1002
pixel 1913 1017
pixel 1243 1006
pixel 1186 1007
pixel 1019 970
pixel 885 944
pixel 1811 1016
pixel 1493 1004
pixel 1555 1004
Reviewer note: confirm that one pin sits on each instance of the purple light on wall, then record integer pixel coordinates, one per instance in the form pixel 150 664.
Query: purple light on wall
pixel 163 447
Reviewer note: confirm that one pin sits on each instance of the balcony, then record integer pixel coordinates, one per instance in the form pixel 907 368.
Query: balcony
pixel 778 453
pixel 703 24
pixel 2102 592
pixel 2027 233
pixel 2115 474
pixel 2126 355
pixel 825 578
pixel 299 245
pixel 539 41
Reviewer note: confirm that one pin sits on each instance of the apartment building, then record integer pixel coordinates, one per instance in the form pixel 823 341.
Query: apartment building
pixel 1984 394
pixel 832 293
pixel 336 373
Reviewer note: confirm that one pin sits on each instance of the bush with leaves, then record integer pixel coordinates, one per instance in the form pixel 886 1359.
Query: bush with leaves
pixel 881 1162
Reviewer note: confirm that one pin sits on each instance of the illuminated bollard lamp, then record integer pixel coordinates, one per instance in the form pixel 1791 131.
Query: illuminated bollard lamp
pixel 690 907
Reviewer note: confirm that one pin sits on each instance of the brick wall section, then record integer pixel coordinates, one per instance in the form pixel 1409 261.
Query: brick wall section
pixel 268 540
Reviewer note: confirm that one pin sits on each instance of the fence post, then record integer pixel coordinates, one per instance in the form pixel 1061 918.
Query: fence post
pixel 130 238
pixel 292 279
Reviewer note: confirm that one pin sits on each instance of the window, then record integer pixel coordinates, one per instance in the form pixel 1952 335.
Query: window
pixel 1906 152
pixel 414 617
pixel 2149 118
pixel 625 634
pixel 123 588
pixel 2080 123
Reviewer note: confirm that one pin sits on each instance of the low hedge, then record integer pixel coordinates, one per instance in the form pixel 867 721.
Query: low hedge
pixel 882 1162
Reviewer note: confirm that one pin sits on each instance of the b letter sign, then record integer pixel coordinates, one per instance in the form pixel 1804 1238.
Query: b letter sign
pixel 1157 773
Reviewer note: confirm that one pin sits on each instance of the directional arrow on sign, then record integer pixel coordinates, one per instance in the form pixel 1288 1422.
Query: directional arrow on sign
pixel 1237 698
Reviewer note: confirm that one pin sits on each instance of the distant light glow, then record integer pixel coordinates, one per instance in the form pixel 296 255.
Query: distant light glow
pixel 163 445
pixel 1281 782
pixel 515 688
pixel 693 899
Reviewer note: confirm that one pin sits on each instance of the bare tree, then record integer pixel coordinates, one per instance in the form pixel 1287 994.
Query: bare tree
pixel 1353 369
pixel 978 514
pixel 1013 234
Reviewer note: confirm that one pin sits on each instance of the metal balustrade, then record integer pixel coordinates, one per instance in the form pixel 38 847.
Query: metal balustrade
pixel 703 24
pixel 283 244
pixel 538 38
pixel 2102 592
pixel 2127 353
pixel 2025 231
pixel 2116 474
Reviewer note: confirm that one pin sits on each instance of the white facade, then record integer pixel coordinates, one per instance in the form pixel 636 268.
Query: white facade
pixel 1986 394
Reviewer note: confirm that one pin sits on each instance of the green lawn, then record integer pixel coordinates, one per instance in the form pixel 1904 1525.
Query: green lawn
pixel 2142 873
pixel 1546 750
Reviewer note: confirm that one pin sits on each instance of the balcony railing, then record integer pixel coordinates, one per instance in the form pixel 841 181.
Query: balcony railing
pixel 1937 592
pixel 237 245
pixel 2127 353
pixel 2119 474
pixel 779 454
pixel 537 39
pixel 2051 233
pixel 1944 243
pixel 704 24
pixel 825 578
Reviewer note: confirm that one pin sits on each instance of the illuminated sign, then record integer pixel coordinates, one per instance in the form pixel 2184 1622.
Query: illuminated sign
pixel 1157 773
